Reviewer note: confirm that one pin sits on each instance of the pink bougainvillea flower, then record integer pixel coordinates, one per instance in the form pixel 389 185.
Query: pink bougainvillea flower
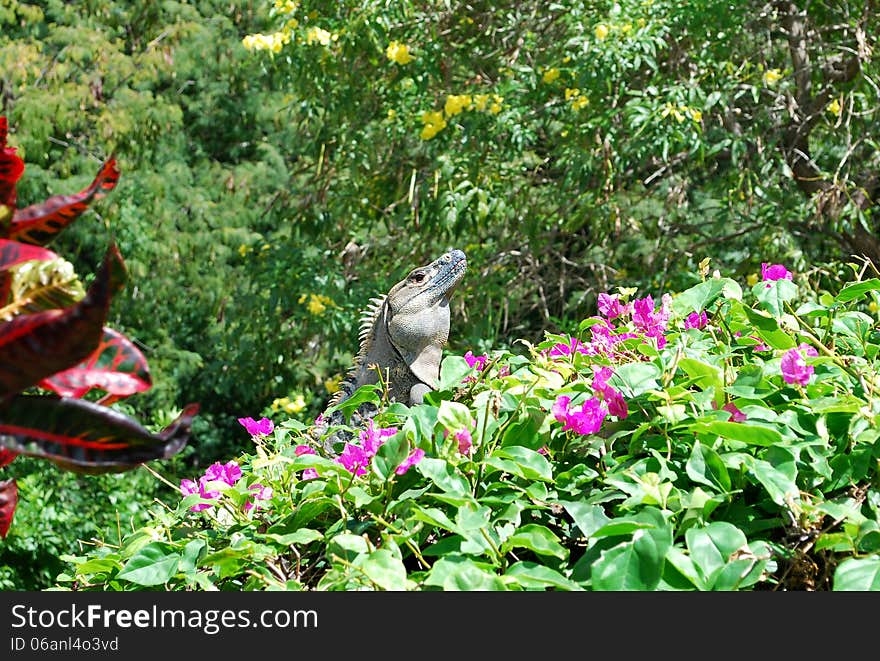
pixel 561 349
pixel 373 437
pixel 465 441
pixel 652 322
pixel 735 414
pixel 586 420
pixel 259 492
pixel 308 473
pixel 188 487
pixel 414 457
pixel 228 472
pixel 479 362
pixel 262 427
pixel 610 307
pixel 613 399
pixel 696 320
pixel 771 272
pixel 794 365
pixel 354 459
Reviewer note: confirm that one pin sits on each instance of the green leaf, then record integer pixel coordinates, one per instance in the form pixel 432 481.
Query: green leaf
pixel 774 295
pixel 384 569
pixel 857 290
pixel 745 432
pixel 302 536
pixel 347 547
pixel 453 370
pixel 782 489
pixel 459 573
pixel 589 518
pixel 154 564
pixel 638 378
pixel 526 463
pixel 536 538
pixel 768 330
pixel 704 376
pixel 722 556
pixel 533 576
pixel 634 565
pixel 706 467
pixel 859 574
pixel 700 296
pixel 443 475
pixel 390 455
pixel 189 559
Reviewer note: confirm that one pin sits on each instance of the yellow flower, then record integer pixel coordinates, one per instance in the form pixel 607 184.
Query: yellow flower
pixel 270 42
pixel 550 75
pixel 872 307
pixel 243 250
pixel 495 108
pixel 772 76
pixel 433 123
pixel 626 28
pixel 601 31
pixel 695 114
pixel 481 101
pixel 571 92
pixel 392 113
pixel 398 52
pixel 579 102
pixel 317 303
pixel 675 111
pixel 286 6
pixel 752 279
pixel 455 103
pixel 834 108
pixel 320 36
pixel 332 384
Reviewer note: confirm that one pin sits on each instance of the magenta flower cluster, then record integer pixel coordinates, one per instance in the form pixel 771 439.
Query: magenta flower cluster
pixel 478 362
pixel 356 458
pixel 584 420
pixel 648 320
pixel 589 417
pixel 794 365
pixel 262 427
pixel 697 320
pixel 773 272
pixel 215 476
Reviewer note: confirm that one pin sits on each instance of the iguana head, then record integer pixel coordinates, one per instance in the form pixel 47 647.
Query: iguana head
pixel 418 313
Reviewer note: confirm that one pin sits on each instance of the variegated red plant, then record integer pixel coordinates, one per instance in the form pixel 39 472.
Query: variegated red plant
pixel 66 350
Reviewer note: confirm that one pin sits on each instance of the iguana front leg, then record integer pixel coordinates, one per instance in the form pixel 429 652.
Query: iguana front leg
pixel 417 393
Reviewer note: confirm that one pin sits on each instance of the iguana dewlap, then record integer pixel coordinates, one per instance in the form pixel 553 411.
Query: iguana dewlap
pixel 403 333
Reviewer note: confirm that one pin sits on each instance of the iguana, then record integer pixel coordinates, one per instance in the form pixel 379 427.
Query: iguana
pixel 402 334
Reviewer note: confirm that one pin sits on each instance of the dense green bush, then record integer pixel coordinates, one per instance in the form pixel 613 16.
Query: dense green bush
pixel 719 439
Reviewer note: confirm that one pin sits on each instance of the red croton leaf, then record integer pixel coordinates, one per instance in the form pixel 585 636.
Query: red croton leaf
pixel 8 501
pixel 85 437
pixel 117 366
pixel 36 346
pixel 6 457
pixel 38 223
pixel 11 169
pixel 14 252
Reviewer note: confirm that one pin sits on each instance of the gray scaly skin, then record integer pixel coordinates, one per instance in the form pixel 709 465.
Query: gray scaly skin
pixel 402 334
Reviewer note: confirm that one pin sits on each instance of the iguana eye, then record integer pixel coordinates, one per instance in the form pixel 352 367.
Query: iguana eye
pixel 417 277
